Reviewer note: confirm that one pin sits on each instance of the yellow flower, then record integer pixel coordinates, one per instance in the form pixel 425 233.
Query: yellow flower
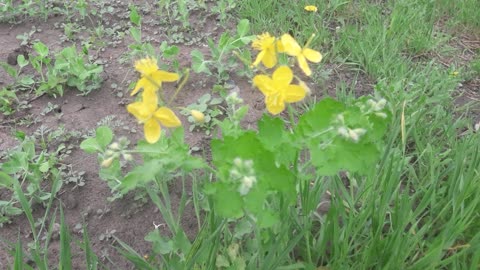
pixel 278 90
pixel 152 78
pixel 198 116
pixel 150 115
pixel 266 44
pixel 311 8
pixel 292 48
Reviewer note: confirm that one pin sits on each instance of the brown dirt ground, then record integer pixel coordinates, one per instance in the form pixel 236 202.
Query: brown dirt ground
pixel 83 113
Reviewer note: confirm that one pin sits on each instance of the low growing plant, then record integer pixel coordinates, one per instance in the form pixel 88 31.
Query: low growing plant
pixel 271 178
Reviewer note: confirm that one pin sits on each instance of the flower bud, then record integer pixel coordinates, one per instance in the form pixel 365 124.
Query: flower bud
pixel 381 115
pixel 355 134
pixel 109 153
pixel 127 157
pixel 114 146
pixel 246 184
pixel 233 98
pixel 198 116
pixel 107 162
pixel 343 131
pixel 238 162
pixel 381 104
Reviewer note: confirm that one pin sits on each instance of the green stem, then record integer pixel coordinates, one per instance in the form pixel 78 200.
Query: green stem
pixel 291 115
pixel 182 84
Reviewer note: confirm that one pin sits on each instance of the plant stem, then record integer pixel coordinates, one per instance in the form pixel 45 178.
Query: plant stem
pixel 180 87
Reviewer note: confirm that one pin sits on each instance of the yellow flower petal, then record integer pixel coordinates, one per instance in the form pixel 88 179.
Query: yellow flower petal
pixel 280 47
pixel 312 55
pixel 259 58
pixel 264 83
pixel 140 110
pixel 283 76
pixel 302 63
pixel 275 104
pixel 263 41
pixel 160 76
pixel 269 59
pixel 152 131
pixel 149 96
pixel 294 93
pixel 146 66
pixel 167 117
pixel 145 84
pixel 290 45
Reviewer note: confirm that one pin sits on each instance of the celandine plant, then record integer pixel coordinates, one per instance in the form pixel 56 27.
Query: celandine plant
pixel 260 195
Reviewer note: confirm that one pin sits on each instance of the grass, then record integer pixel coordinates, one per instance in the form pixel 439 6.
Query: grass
pixel 416 209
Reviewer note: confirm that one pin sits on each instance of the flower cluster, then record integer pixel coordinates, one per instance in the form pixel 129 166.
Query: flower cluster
pixel 278 89
pixel 116 150
pixel 244 173
pixel 348 133
pixel 147 111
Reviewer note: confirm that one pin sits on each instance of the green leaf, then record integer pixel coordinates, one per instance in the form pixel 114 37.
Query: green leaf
pixel 314 122
pixel 90 145
pixel 18 261
pixel 44 167
pixel 134 16
pixel 10 70
pixel 271 131
pixel 65 252
pixel 136 34
pixel 131 255
pixel 267 219
pixel 227 202
pixel 12 210
pixel 221 262
pixel 243 27
pixel 104 136
pixel 181 242
pixel 242 228
pixel 26 80
pixel 160 245
pixel 198 63
pixel 17 161
pixel 41 49
pixel 140 175
pixel 21 61
pixel 170 51
pixel 6 180
pixel 344 155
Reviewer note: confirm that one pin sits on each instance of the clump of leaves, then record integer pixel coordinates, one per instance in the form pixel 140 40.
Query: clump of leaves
pixel 69 69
